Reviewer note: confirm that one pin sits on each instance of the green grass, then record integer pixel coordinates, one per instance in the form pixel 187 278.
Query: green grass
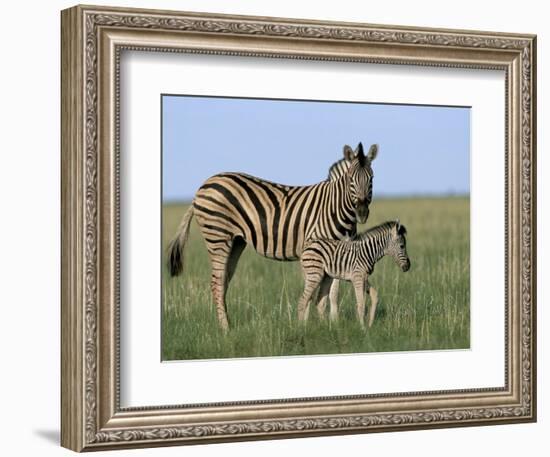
pixel 426 308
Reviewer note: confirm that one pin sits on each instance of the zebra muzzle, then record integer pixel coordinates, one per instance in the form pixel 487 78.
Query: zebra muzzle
pixel 362 214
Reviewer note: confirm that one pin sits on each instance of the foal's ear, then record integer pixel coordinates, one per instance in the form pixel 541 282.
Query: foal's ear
pixel 349 155
pixel 400 229
pixel 373 152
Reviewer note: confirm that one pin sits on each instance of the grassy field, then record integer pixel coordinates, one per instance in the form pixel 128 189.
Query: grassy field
pixel 424 309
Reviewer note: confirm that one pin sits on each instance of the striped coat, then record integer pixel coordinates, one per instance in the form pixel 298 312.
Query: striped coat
pixel 275 220
pixel 236 209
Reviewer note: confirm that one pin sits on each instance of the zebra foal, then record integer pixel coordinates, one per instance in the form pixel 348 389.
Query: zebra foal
pixel 323 260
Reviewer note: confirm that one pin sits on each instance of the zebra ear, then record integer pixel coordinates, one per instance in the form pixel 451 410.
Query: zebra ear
pixel 400 229
pixel 349 155
pixel 360 154
pixel 373 152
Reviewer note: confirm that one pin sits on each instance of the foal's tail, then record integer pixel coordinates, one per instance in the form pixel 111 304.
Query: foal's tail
pixel 176 246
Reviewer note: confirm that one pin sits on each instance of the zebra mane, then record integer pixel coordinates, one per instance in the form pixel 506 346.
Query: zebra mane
pixel 381 228
pixel 337 169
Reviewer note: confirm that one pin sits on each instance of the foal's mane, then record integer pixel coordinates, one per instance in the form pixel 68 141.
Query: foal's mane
pixel 380 228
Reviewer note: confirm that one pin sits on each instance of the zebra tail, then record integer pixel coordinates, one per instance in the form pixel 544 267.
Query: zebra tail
pixel 176 246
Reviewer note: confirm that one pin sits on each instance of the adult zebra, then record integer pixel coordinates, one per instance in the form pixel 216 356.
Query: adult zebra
pixel 236 209
pixel 336 171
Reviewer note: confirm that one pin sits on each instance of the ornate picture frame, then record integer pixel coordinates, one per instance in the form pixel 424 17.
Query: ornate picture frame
pixel 93 39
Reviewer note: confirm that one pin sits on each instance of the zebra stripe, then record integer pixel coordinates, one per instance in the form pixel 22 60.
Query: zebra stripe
pixel 338 169
pixel 275 221
pixel 235 209
pixel 353 261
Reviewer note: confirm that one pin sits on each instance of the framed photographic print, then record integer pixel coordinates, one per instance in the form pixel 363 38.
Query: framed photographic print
pixel 282 228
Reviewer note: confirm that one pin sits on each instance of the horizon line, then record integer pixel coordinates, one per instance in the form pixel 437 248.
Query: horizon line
pixel 174 201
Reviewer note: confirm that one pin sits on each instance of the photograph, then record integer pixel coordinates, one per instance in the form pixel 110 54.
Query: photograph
pixel 313 227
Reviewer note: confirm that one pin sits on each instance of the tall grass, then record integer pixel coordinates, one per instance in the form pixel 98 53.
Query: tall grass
pixel 425 308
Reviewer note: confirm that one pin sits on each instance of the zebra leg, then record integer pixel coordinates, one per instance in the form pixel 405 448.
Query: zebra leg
pixel 334 288
pixel 321 305
pixel 220 252
pixel 312 282
pixel 359 286
pixel 219 295
pixel 323 296
pixel 373 302
pixel 238 247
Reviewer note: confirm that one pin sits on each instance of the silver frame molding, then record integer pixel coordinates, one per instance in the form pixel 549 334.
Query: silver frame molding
pixel 92 41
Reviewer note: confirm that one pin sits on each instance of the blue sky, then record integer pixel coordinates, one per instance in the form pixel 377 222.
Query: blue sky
pixel 422 149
